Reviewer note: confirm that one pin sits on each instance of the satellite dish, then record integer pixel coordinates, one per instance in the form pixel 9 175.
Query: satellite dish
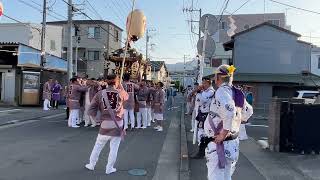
pixel 212 26
pixel 210 47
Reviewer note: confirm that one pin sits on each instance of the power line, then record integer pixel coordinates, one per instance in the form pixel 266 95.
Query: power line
pixel 36 8
pixel 83 13
pixel 94 10
pixel 225 7
pixel 302 9
pixel 240 7
pixel 115 12
pixel 24 24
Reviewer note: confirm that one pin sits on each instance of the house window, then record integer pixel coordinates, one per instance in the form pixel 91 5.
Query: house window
pixel 94 32
pixel 223 25
pixel 116 35
pixel 93 55
pixel 274 22
pixel 318 62
pixel 53 45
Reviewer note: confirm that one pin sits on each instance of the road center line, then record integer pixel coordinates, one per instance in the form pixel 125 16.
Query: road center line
pixel 10 110
pixel 53 116
pixel 257 125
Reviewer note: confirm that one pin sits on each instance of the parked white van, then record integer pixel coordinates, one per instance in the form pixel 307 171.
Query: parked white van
pixel 308 96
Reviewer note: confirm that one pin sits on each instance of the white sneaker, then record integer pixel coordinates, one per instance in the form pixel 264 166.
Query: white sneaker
pixel 90 167
pixel 156 127
pixel 86 125
pixel 75 126
pixel 110 171
pixel 93 126
pixel 46 109
pixel 143 127
pixel 191 130
pixel 160 129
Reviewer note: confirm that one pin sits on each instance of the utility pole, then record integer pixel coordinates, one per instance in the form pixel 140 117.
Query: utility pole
pixel 77 38
pixel 43 34
pixel 147 50
pixel 69 32
pixel 184 70
pixel 191 10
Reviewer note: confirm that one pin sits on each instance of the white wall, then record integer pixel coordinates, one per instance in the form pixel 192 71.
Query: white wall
pixel 315 56
pixel 24 33
pixel 13 32
pixel 53 33
pixel 8 84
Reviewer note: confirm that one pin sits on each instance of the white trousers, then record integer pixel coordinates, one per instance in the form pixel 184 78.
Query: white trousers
pixel 142 117
pixel 188 106
pixel 243 133
pixel 214 172
pixel 99 145
pixel 46 104
pixel 73 117
pixel 193 119
pixel 129 113
pixel 149 116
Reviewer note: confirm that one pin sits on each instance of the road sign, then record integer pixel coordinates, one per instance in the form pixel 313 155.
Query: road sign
pixel 210 47
pixel 212 26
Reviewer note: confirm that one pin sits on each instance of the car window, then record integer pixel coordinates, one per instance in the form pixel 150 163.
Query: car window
pixel 309 95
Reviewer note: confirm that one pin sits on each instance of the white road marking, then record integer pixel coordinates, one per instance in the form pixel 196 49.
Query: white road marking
pixel 10 110
pixel 17 124
pixel 257 125
pixel 53 116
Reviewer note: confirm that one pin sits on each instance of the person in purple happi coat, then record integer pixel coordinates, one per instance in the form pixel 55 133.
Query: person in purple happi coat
pixel 56 90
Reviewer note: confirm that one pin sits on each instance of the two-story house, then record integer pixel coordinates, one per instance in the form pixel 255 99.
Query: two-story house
pixel 159 72
pixel 96 38
pixel 273 61
pixel 242 22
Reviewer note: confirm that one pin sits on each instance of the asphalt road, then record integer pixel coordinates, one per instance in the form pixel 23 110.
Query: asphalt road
pixel 244 170
pixel 44 148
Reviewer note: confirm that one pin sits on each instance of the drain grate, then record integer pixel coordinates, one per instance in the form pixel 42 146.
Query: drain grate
pixel 137 172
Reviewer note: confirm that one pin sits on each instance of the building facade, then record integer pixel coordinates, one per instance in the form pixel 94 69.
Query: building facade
pixel 242 22
pixel 94 40
pixel 273 61
pixel 159 72
pixel 30 35
pixel 315 60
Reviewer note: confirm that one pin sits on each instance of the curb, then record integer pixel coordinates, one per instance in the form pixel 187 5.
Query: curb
pixel 184 157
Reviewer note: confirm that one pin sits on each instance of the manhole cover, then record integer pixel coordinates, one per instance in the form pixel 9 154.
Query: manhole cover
pixel 137 172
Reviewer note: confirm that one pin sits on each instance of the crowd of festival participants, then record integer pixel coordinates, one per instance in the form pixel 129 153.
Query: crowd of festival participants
pixel 217 115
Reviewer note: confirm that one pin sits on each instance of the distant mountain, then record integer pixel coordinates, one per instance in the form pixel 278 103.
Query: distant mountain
pixel 179 67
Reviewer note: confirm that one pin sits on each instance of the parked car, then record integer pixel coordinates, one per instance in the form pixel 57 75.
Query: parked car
pixel 308 96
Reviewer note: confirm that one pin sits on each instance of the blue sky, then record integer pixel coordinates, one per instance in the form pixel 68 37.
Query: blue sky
pixel 172 37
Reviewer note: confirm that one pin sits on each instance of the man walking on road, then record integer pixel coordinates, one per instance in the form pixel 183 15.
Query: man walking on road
pixel 130 88
pixel 75 90
pixel 142 97
pixel 227 110
pixel 158 106
pixel 92 90
pixel 110 103
pixel 47 94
